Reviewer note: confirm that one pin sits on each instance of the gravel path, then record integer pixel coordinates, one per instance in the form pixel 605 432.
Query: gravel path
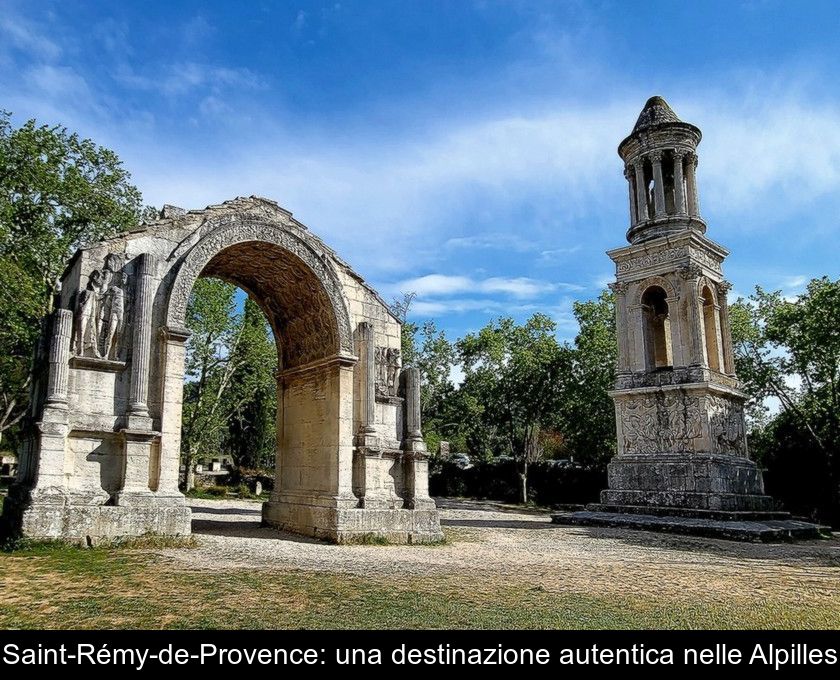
pixel 491 543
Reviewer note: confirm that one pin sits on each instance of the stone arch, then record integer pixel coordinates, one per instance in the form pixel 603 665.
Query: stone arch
pixel 705 282
pixel 297 288
pixel 661 281
pixel 657 327
pixel 711 316
pixel 347 464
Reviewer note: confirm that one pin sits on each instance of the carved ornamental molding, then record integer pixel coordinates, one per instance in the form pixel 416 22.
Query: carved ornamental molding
pixel 307 257
pixel 652 259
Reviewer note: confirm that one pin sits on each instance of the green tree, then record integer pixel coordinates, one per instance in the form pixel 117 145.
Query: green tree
pixel 513 373
pixel 211 352
pixel 57 193
pixel 21 308
pixel 428 349
pixel 586 414
pixel 251 399
pixel 789 349
pixel 230 397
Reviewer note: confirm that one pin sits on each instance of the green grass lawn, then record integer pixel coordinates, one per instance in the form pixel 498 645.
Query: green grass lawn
pixel 57 586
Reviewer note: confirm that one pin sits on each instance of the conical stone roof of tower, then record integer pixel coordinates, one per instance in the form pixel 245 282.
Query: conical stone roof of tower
pixel 655 112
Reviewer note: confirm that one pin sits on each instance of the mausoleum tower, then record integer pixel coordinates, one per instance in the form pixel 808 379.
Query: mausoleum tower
pixel 679 407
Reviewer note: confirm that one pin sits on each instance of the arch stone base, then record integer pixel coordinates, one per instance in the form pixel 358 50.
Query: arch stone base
pixel 354 525
pixel 60 517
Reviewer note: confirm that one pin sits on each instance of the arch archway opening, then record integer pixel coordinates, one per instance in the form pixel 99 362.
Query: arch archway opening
pixel 657 328
pixel 229 414
pixel 269 385
pixel 291 295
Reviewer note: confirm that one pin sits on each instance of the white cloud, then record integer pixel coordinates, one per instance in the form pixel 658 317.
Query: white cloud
pixel 771 154
pixel 554 254
pixel 214 106
pixel 59 82
pixel 299 23
pixel 384 198
pixel 794 283
pixel 497 241
pixel 603 280
pixel 25 36
pixel 441 285
pixel 456 374
pixel 182 77
pixel 451 306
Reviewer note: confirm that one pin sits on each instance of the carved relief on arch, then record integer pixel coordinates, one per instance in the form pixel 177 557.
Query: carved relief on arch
pixel 307 270
pixel 642 286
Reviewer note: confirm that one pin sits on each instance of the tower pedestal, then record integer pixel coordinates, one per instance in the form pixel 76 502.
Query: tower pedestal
pixel 681 480
pixel 683 445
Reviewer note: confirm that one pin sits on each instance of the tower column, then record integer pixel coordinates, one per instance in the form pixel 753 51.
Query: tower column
pixel 628 174
pixel 679 187
pixel 695 347
pixel 691 185
pixel 641 194
pixel 411 376
pixel 368 351
pixel 658 184
pixel 53 425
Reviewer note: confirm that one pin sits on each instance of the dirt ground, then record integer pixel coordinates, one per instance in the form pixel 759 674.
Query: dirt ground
pixel 492 544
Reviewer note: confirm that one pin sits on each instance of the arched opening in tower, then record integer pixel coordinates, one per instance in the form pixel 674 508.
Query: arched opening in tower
pixel 657 326
pixel 711 329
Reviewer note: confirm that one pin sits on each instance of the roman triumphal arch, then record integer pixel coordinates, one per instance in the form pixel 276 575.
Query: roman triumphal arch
pixel 102 457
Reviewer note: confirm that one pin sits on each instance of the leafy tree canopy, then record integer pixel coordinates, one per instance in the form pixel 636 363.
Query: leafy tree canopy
pixel 57 193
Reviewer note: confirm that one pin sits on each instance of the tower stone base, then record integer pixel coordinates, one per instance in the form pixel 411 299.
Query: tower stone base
pixel 706 487
pixel 680 480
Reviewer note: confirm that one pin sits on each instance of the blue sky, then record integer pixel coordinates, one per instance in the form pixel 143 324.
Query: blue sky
pixel 462 150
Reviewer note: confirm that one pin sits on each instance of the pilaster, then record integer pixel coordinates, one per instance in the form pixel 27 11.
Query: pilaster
pixel 141 353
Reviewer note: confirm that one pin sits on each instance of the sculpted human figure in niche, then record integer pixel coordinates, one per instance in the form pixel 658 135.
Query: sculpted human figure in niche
pixel 87 315
pixel 387 371
pixel 381 361
pixel 393 369
pixel 114 314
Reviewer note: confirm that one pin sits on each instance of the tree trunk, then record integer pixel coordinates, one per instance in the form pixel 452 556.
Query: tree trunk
pixel 523 484
pixel 189 472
